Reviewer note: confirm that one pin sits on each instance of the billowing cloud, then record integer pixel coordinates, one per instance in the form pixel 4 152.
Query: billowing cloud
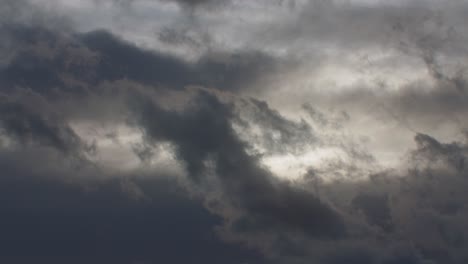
pixel 233 132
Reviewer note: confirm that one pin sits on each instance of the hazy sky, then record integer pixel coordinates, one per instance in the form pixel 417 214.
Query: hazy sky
pixel 233 131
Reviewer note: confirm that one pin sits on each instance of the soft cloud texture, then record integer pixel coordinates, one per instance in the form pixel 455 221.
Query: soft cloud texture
pixel 234 132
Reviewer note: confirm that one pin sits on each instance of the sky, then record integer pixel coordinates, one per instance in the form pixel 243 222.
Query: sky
pixel 233 131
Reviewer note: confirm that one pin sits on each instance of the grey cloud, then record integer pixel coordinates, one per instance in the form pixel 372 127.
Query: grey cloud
pixel 27 12
pixel 277 133
pixel 415 213
pixel 48 61
pixel 184 37
pixel 53 220
pixel 192 4
pixel 21 121
pixel 431 150
pixel 418 106
pixel 143 151
pixel 408 26
pixel 323 120
pixel 376 209
pixel 51 63
pixel 202 133
pixel 422 206
pixel 184 3
pixel 350 255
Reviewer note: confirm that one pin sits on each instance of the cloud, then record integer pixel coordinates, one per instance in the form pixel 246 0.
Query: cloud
pixel 69 95
pixel 22 122
pixel 277 134
pixel 45 60
pixel 406 206
pixel 202 135
pixel 376 210
pixel 192 4
pixel 48 220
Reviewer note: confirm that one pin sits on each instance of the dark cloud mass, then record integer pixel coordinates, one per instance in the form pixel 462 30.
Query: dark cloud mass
pixel 203 132
pixel 50 60
pixel 192 4
pixel 233 132
pixel 27 126
pixel 48 221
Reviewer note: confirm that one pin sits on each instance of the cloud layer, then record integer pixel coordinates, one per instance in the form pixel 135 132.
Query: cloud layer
pixel 286 132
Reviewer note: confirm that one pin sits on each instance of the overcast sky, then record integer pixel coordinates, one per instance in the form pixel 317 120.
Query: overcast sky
pixel 234 131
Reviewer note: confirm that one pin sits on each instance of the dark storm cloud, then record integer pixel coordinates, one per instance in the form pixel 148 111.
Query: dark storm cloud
pixel 432 150
pixel 21 121
pixel 375 209
pixel 47 61
pixel 192 4
pixel 183 37
pixel 434 184
pixel 48 217
pixel 420 209
pixel 119 60
pixel 414 214
pixel 23 13
pixel 202 133
pixel 206 142
pixel 50 62
pixel 220 71
pixel 50 220
pixel 354 254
